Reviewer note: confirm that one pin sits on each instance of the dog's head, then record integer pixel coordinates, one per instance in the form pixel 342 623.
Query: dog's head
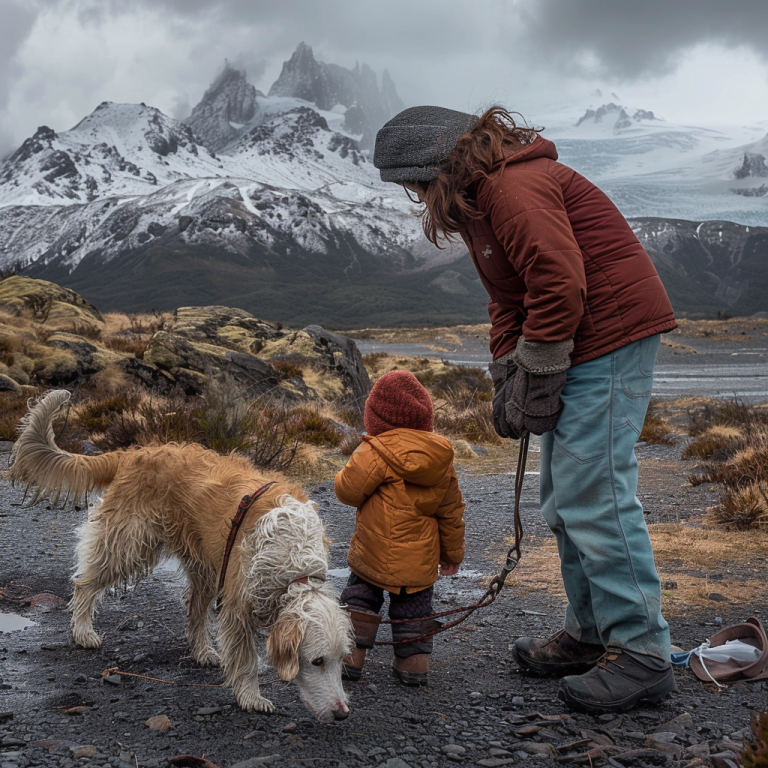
pixel 311 636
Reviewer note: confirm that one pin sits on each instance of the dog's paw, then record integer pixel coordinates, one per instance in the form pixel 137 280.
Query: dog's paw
pixel 253 701
pixel 207 658
pixel 86 637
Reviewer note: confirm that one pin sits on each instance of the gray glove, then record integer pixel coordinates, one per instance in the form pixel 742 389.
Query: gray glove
pixel 529 400
pixel 502 372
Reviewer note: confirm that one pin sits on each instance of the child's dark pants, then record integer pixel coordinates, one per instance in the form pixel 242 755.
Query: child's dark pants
pixel 362 596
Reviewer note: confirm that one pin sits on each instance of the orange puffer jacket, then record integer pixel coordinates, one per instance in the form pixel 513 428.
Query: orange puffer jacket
pixel 409 508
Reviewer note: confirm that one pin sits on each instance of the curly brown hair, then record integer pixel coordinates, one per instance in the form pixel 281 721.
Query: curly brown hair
pixel 448 205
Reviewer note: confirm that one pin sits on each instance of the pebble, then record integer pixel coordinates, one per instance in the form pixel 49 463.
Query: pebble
pixel 209 711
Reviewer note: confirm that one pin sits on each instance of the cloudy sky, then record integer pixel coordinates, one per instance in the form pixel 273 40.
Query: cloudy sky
pixel 693 61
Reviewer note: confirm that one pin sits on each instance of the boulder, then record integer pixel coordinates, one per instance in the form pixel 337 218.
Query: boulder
pixel 192 363
pixel 224 326
pixel 7 384
pixel 331 364
pixel 48 303
pixel 89 358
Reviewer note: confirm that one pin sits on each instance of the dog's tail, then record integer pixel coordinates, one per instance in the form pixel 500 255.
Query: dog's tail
pixel 36 460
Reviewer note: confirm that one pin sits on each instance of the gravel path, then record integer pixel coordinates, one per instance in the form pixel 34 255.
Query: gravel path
pixel 477 711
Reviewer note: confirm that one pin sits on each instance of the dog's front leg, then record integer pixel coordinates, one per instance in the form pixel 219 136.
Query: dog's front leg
pixel 239 660
pixel 202 589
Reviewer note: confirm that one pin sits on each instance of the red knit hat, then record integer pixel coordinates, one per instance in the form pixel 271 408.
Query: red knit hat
pixel 398 400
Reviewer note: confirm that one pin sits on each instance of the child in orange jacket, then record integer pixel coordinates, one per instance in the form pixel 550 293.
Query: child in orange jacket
pixel 409 521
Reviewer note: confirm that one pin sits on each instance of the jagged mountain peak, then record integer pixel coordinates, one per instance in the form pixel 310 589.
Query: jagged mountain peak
pixel 119 149
pixel 329 85
pixel 616 116
pixel 228 104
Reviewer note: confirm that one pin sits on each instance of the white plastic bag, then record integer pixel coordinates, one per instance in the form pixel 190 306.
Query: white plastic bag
pixel 737 650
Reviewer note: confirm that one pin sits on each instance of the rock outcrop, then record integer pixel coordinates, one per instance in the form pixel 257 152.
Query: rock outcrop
pixel 47 303
pixel 226 106
pixel 57 338
pixel 328 85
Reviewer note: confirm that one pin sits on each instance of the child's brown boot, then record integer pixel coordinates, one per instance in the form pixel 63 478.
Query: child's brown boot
pixel 366 625
pixel 411 670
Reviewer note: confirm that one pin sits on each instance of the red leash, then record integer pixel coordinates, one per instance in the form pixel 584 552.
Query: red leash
pixel 242 510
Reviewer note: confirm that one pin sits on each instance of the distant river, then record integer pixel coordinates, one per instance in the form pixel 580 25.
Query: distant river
pixel 722 369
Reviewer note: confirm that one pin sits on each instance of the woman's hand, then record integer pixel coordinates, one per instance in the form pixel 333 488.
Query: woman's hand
pixel 449 569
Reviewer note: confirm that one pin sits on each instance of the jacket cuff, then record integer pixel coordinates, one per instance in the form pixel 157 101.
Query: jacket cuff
pixel 543 356
pixel 502 369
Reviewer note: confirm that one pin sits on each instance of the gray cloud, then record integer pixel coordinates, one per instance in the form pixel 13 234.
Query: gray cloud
pixel 18 17
pixel 436 50
pixel 629 40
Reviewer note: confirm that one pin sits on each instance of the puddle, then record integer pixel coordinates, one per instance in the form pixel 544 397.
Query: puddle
pixel 10 622
pixel 169 565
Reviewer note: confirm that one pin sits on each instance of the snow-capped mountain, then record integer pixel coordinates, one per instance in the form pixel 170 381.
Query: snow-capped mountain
pixel 289 174
pixel 652 167
pixel 329 86
pixel 250 184
pixel 119 150
pixel 227 105
pixel 271 203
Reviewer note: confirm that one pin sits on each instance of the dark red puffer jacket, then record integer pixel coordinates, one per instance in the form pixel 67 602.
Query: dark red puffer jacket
pixel 559 261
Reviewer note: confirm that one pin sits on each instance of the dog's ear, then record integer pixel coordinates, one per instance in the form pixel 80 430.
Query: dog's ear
pixel 283 646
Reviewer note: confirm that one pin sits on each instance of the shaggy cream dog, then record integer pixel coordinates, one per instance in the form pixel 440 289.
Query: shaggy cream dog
pixel 179 500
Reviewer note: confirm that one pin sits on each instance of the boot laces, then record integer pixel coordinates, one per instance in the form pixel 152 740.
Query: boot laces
pixel 609 657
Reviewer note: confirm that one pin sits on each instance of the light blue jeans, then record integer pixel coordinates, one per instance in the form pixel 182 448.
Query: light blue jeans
pixel 588 498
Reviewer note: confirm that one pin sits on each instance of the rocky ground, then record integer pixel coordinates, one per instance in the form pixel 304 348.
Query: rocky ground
pixel 57 709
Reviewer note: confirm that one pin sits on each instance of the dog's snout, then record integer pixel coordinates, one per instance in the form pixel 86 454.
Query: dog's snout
pixel 340 711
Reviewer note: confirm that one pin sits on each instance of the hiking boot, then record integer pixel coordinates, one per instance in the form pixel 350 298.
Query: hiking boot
pixel 618 682
pixel 366 625
pixel 558 655
pixel 411 670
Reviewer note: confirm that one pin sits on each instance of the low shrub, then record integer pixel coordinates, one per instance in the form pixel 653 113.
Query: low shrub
pixel 13 406
pixel 308 425
pixel 717 442
pixel 132 345
pixel 473 422
pixel 726 413
pixel 461 383
pixel 97 415
pixel 656 431
pixel 286 368
pixel 742 507
pixel 350 442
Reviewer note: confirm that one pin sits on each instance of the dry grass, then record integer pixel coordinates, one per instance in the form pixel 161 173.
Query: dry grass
pixel 452 335
pixel 681 553
pixel 731 444
pixel 656 431
pixel 683 550
pixel 13 406
pixel 734 327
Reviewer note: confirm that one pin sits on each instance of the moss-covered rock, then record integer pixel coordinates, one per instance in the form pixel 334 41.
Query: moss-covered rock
pixel 224 326
pixel 331 364
pixel 48 303
pixel 191 363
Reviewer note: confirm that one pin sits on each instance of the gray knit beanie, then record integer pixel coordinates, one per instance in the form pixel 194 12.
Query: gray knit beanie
pixel 411 146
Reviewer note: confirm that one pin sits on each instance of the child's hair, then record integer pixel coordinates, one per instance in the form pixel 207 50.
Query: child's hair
pixel 447 205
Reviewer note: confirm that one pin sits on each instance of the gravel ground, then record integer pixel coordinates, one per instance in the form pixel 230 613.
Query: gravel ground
pixel 478 709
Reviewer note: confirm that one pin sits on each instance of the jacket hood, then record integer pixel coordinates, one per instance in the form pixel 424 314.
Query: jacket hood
pixel 540 147
pixel 421 458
